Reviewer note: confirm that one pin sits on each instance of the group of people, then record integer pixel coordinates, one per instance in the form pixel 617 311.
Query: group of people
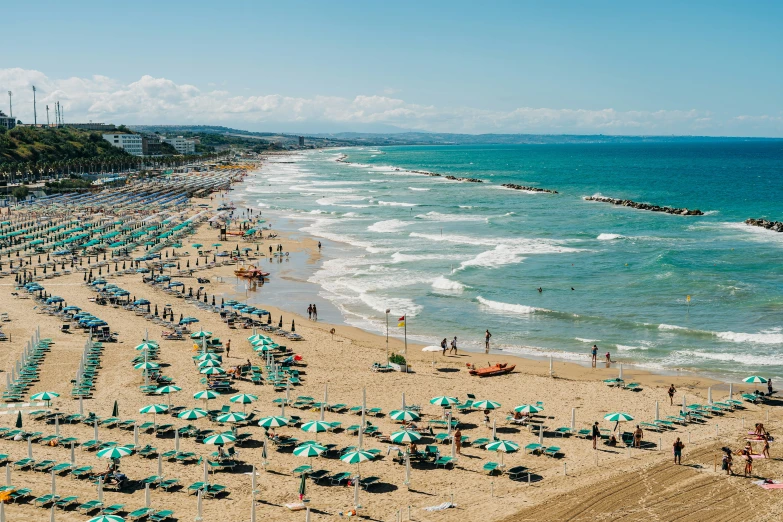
pixel 445 345
pixel 312 312
pixel 594 356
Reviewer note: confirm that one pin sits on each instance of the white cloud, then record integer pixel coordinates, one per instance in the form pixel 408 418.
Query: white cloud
pixel 159 100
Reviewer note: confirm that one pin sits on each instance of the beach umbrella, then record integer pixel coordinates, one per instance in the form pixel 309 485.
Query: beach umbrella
pixel 107 518
pixel 215 370
pixel 220 439
pixel 273 422
pixel 206 395
pixel 316 426
pixel 309 450
pixel 154 409
pixel 400 437
pixel 147 500
pixel 209 363
pixel 618 417
pixel 443 401
pixel 192 414
pixel 147 345
pixel 45 396
pixel 356 457
pixel 404 415
pixel 209 357
pixel 755 379
pixel 19 420
pixel 528 408
pixel 231 417
pixel 200 335
pixel 147 366
pixel 280 325
pixel 115 411
pixel 116 452
pixel 486 405
pixel 502 446
pixel 303 486
pixel 293 325
pixel 243 398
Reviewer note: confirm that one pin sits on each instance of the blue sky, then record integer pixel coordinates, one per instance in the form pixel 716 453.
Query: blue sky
pixel 561 67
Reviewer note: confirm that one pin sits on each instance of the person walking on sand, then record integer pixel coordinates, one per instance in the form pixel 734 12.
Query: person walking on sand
pixel 487 336
pixel 677 447
pixel 769 386
pixel 672 391
pixel 315 313
pixel 458 441
pixel 228 349
pixel 594 354
pixel 310 312
pixel 596 434
pixel 444 346
pixel 638 435
pixel 748 464
pixel 453 345
pixel 765 450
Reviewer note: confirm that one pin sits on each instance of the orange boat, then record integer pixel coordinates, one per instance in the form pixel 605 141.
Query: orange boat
pixel 250 273
pixel 491 371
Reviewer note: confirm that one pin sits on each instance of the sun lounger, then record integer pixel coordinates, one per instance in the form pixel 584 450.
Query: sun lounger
pixel 113 509
pixel 533 448
pixel 632 386
pixel 160 516
pixel 81 471
pixel 67 502
pixel 301 470
pixel 517 472
pixel 317 476
pixel 444 462
pixel 19 494
pixel 140 513
pixel 24 463
pixel 490 467
pixel 367 483
pixel 551 451
pixel 44 465
pixel 167 484
pixel 339 478
pixel 90 506
pixel 563 431
pixel 480 443
pixel 45 499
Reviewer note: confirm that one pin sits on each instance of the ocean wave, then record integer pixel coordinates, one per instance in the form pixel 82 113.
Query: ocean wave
pixel 741 358
pixel 443 283
pixel 626 348
pixel 417 189
pixel 396 204
pixel 587 340
pixel 671 327
pixel 437 216
pixel 501 255
pixel 772 336
pixel 609 237
pixel 516 309
pixel 399 257
pixel 525 245
pixel 391 225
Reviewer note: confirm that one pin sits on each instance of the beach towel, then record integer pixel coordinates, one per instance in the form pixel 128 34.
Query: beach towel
pixel 757 456
pixel 295 506
pixel 440 507
pixel 772 486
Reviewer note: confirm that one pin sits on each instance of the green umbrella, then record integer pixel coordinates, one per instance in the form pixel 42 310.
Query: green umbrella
pixel 257 337
pixel 19 420
pixel 115 411
pixel 147 346
pixel 232 416
pixel 168 389
pixel 209 363
pixel 443 401
pixel 400 437
pixel 193 414
pixel 316 426
pixel 486 405
pixel 303 486
pixel 755 379
pixel 528 408
pixel 220 439
pixel 147 366
pixel 309 450
pixel 200 334
pixel 215 370
pixel 197 245
pixel 618 417
pixel 206 394
pixel 209 357
pixel 244 398
pixel 273 422
pixel 107 518
pixel 154 408
pixel 404 415
pixel 116 452
pixel 356 457
pixel 44 396
pixel 505 446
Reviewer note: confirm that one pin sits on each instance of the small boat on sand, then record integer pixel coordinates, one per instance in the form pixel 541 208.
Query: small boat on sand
pixel 491 371
pixel 250 273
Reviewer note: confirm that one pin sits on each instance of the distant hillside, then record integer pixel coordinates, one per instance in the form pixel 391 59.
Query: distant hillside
pixel 47 145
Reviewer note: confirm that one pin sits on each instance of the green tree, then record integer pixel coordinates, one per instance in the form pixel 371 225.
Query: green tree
pixel 20 192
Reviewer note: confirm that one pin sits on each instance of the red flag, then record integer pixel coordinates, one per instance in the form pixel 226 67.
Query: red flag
pixel 401 318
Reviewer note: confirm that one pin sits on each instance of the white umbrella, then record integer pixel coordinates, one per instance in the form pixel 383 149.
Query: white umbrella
pixel 160 465
pixel 100 488
pixel 573 419
pixel 147 499
pixel 57 425
pixel 407 469
pixel 432 349
pixel 206 472
pixel 95 429
pixel 199 509
pixel 51 513
pixel 176 441
pixel 8 474
pixel 73 455
pixel 29 448
pixel 54 483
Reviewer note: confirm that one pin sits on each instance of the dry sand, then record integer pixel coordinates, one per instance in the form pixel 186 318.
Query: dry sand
pixel 579 485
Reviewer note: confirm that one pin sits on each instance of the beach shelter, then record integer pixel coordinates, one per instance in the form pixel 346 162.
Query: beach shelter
pixel 404 436
pixel 309 450
pixel 486 405
pixel 154 409
pixel 404 415
pixel 220 439
pixel 273 422
pixel 244 399
pixel 107 518
pixel 617 418
pixel 115 452
pixel 444 401
pixel 213 370
pixel 201 334
pixel 231 417
pixel 192 414
pixel 206 395
pixel 316 427
pixel 502 446
pixel 528 408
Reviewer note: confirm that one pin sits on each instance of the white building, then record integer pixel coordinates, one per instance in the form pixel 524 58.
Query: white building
pixel 182 145
pixel 130 143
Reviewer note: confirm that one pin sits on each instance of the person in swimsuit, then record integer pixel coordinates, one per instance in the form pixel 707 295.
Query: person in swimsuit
pixel 748 464
pixel 596 434
pixel 677 446
pixel 672 391
pixel 765 449
pixel 487 336
pixel 444 345
pixel 638 435
pixel 594 354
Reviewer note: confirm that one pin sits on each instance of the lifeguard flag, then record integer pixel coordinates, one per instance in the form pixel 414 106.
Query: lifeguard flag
pixel 688 298
pixel 401 321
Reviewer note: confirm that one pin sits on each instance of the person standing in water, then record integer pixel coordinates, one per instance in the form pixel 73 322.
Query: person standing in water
pixel 487 336
pixel 310 312
pixel 594 354
pixel 315 313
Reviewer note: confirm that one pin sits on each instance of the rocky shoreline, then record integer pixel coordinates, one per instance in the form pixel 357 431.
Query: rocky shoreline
pixel 776 226
pixel 646 206
pixel 528 189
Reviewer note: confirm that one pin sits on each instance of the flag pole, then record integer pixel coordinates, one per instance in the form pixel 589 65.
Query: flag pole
pixel 405 324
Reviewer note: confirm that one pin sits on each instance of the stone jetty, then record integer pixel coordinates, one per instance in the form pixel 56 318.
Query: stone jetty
pixel 646 206
pixel 776 226
pixel 529 189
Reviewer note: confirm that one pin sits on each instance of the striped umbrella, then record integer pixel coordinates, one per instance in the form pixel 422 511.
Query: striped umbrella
pixel 200 334
pixel 107 518
pixel 244 398
pixel 273 422
pixel 356 457
pixel 404 436
pixel 528 408
pixel 209 363
pixel 257 337
pixel 193 414
pixel 486 405
pixel 215 370
pixel 502 446
pixel 755 379
pixel 206 394
pixel 443 401
pixel 147 346
pixel 44 396
pixel 309 450
pixel 168 389
pixel 404 415
pixel 117 452
pixel 232 416
pixel 220 439
pixel 618 417
pixel 316 427
pixel 209 357
pixel 154 409
pixel 147 366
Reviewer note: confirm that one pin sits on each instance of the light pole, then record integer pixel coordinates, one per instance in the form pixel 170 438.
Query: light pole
pixel 35 113
pixel 387 335
pixel 10 105
pixel 47 114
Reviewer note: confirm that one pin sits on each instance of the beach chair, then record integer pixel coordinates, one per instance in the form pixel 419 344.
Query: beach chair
pixel 650 426
pixel 301 470
pixel 92 505
pixel 213 490
pixel 19 494
pixel 24 463
pixel 551 451
pixel 442 438
pixel 66 502
pixel 151 480
pixel 517 472
pixel 113 509
pixel 44 465
pixel 491 467
pixel 367 483
pixel 563 431
pixel 45 499
pixel 167 484
pixel 480 443
pixel 533 448
pixel 444 462
pixel 160 516
pixel 83 471
pixel 340 478
pixel 632 386
pixel 319 475
pixel 140 513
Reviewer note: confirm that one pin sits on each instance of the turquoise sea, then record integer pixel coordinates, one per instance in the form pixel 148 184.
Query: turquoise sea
pixel 458 258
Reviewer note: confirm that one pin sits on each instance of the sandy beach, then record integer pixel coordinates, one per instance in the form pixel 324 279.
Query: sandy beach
pixel 578 483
